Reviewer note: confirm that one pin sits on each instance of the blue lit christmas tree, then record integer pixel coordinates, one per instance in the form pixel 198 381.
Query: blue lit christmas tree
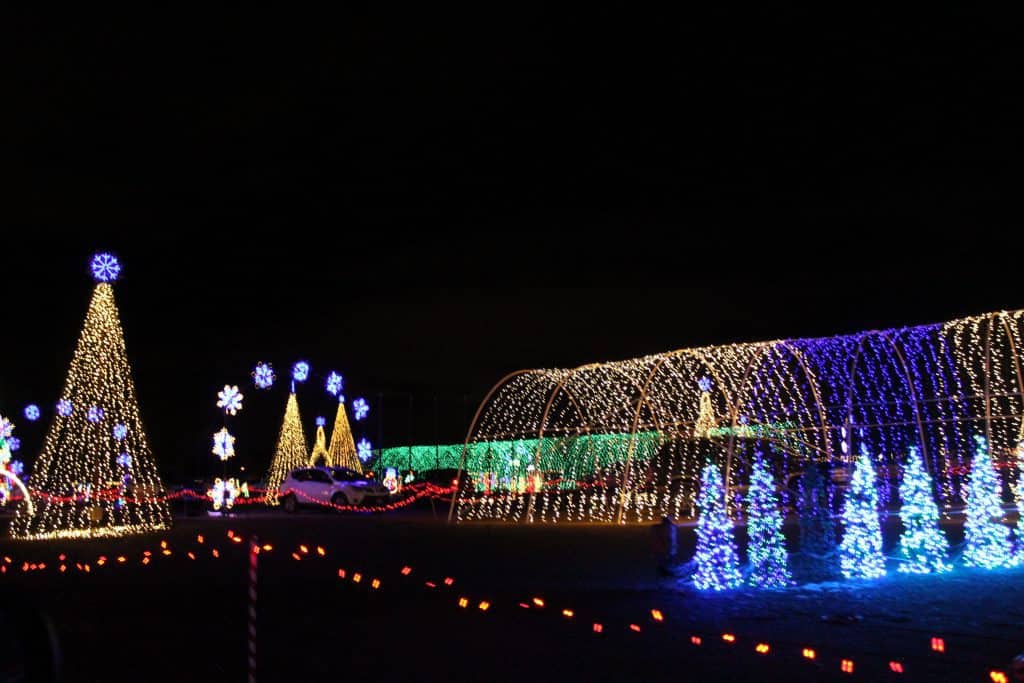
pixel 716 559
pixel 860 553
pixel 922 545
pixel 988 539
pixel 766 550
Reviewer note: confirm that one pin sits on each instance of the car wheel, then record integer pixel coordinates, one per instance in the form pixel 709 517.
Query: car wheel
pixel 290 504
pixel 339 498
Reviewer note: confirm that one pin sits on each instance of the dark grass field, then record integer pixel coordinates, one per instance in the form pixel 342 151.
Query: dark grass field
pixel 179 619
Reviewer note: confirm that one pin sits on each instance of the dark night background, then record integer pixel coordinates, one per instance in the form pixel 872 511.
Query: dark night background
pixel 425 200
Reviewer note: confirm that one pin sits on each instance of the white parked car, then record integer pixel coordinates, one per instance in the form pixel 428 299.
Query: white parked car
pixel 335 485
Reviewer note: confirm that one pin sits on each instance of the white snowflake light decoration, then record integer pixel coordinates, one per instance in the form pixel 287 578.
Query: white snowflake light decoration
pixel 361 408
pixel 230 399
pixel 223 444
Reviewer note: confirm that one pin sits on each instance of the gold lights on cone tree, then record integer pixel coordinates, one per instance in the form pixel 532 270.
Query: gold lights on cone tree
pixel 96 472
pixel 320 448
pixel 342 451
pixel 706 412
pixel 291 451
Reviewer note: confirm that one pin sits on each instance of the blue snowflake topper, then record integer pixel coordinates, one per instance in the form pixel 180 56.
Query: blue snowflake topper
pixel 321 421
pixel 18 467
pixel 31 412
pixel 361 408
pixel 94 414
pixel 300 371
pixel 14 443
pixel 704 383
pixel 223 444
pixel 63 407
pixel 364 449
pixel 120 431
pixel 263 375
pixel 105 267
pixel 6 428
pixel 334 383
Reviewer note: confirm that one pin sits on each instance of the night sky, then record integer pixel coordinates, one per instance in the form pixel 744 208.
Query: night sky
pixel 427 200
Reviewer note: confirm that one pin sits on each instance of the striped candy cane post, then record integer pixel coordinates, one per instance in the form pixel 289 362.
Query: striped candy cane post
pixel 254 552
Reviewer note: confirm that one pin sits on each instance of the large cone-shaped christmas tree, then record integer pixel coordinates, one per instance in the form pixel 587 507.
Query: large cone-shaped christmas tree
pixel 291 449
pixel 96 471
pixel 342 451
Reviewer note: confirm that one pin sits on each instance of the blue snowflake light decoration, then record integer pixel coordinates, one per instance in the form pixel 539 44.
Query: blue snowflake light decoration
pixel 124 460
pixel 94 414
pixel 360 408
pixel 223 444
pixel 120 431
pixel 321 421
pixel 63 407
pixel 6 428
pixel 230 399
pixel 31 412
pixel 263 375
pixel 364 449
pixel 334 383
pixel 300 371
pixel 18 467
pixel 704 383
pixel 105 267
pixel 14 443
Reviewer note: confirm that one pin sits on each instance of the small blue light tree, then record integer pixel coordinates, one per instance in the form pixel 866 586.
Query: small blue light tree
pixel 716 558
pixel 988 539
pixel 922 545
pixel 766 549
pixel 860 552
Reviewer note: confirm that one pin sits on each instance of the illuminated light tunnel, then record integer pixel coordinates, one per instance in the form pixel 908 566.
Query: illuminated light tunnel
pixel 624 441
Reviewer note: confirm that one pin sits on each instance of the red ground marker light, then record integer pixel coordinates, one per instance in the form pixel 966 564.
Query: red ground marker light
pixel 524 605
pixel 762 648
pixel 341 573
pixel 295 556
pixel 598 628
pixel 938 645
pixel 896 667
pixel 448 580
pixel 430 584
pixel 634 627
pixel 696 640
pixel 846 666
pixel 406 571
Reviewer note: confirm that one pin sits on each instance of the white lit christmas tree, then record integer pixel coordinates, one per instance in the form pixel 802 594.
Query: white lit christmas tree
pixel 96 470
pixel 988 539
pixel 705 410
pixel 860 552
pixel 766 549
pixel 923 546
pixel 715 557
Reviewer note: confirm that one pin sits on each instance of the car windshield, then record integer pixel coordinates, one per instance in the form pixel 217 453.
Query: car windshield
pixel 346 475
